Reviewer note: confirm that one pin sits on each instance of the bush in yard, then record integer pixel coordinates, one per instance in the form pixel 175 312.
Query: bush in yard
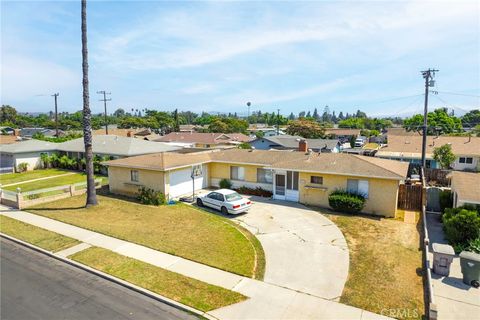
pixel 461 225
pixel 446 200
pixel 22 167
pixel 254 192
pixel 225 184
pixel 343 201
pixel 151 197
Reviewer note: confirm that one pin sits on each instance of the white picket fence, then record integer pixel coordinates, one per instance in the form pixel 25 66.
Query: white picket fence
pixel 21 199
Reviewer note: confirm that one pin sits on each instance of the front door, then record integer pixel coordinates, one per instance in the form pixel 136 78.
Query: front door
pixel 280 186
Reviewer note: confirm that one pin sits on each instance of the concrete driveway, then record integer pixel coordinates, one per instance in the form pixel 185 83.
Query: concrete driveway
pixel 304 250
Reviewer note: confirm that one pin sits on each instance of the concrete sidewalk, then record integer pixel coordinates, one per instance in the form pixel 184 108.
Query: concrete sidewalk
pixel 454 299
pixel 267 301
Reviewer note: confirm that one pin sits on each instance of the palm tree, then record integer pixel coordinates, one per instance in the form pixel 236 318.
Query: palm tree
pixel 87 115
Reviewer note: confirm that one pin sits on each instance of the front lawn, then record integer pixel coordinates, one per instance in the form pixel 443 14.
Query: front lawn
pixel 179 229
pixel 197 294
pixel 42 238
pixel 52 182
pixel 10 178
pixel 385 265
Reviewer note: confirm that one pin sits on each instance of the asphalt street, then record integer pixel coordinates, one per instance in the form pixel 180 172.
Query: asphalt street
pixel 35 286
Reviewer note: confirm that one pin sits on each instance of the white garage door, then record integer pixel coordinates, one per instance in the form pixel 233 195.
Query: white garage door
pixel 181 182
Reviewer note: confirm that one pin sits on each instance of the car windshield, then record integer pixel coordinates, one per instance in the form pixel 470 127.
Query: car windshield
pixel 233 197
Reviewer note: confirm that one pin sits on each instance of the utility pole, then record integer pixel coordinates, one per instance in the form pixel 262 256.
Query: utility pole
pixel 105 106
pixel 55 95
pixel 248 114
pixel 428 75
pixel 278 122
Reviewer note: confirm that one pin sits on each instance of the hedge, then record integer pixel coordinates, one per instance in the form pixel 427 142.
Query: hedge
pixel 344 201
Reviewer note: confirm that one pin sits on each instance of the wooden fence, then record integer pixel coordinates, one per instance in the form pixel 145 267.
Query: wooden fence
pixel 437 177
pixel 410 197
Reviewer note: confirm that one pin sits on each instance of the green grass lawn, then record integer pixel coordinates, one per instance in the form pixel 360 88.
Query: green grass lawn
pixel 385 265
pixel 42 238
pixel 9 178
pixel 179 229
pixel 52 182
pixel 197 294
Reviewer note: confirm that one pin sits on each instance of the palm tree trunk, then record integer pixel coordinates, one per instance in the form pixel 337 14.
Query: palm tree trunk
pixel 87 115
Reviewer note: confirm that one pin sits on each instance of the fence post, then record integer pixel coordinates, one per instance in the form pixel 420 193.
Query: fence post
pixel 19 198
pixel 72 190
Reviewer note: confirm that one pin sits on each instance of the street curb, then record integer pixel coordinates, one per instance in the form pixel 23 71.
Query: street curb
pixel 113 279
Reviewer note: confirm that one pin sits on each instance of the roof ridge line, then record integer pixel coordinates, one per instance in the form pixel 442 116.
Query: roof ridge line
pixel 361 158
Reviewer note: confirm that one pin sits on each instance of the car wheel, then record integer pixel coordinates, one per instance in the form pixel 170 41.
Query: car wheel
pixel 224 210
pixel 199 202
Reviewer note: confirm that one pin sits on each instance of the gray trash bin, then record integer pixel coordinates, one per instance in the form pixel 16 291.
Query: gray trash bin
pixel 470 263
pixel 442 258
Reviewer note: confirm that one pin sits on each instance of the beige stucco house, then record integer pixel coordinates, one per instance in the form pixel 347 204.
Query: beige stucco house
pixel 293 176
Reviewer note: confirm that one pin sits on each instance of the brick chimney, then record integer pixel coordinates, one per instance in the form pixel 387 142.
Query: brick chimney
pixel 303 145
pixel 129 134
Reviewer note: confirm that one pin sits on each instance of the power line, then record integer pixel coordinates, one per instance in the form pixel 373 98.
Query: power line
pixel 459 94
pixel 105 105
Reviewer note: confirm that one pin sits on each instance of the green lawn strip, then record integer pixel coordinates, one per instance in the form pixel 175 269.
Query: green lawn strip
pixel 49 183
pixel 176 229
pixel 194 293
pixel 42 238
pixel 384 265
pixel 9 178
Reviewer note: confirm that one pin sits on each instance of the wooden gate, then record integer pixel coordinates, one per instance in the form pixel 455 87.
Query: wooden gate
pixel 410 197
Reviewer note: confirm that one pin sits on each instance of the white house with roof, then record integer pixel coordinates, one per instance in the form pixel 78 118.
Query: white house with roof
pixel 30 151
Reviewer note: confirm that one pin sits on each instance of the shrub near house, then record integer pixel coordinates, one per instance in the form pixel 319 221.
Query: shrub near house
pixel 343 201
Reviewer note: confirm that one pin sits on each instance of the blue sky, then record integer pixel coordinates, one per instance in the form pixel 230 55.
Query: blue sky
pixel 216 56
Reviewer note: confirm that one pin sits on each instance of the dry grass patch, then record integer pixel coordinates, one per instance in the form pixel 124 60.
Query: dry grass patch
pixel 176 229
pixel 42 238
pixel 385 265
pixel 197 294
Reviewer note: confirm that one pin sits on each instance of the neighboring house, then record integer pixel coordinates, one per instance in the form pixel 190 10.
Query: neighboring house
pixel 293 176
pixel 146 134
pixel 30 132
pixel 465 188
pixel 8 139
pixel 190 127
pixel 342 134
pixel 409 148
pixel 205 140
pixel 30 151
pixel 287 142
pixel 7 131
pixel 267 131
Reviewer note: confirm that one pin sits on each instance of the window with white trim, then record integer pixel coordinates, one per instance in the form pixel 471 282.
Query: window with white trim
pixel 237 173
pixel 467 160
pixel 358 187
pixel 264 175
pixel 134 175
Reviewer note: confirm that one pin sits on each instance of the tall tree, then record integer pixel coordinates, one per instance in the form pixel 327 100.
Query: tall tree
pixel 87 115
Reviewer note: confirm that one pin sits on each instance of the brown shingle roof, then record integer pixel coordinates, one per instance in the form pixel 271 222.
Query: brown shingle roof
pixel 8 139
pixel 413 144
pixel 342 132
pixel 333 163
pixel 201 137
pixel 466 185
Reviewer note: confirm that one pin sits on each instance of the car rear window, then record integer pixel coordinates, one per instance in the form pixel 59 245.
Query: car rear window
pixel 233 197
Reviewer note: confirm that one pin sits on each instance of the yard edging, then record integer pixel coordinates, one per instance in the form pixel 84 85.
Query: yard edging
pixel 113 279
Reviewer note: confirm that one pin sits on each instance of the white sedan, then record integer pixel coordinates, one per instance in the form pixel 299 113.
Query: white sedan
pixel 225 200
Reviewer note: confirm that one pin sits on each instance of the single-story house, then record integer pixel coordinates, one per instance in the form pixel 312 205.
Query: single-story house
pixel 30 151
pixel 7 130
pixel 341 133
pixel 30 132
pixel 465 188
pixel 267 131
pixel 304 177
pixel 205 140
pixel 288 142
pixel 409 148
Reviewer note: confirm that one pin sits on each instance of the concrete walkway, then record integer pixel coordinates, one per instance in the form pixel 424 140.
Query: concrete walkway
pixel 38 179
pixel 267 301
pixel 454 299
